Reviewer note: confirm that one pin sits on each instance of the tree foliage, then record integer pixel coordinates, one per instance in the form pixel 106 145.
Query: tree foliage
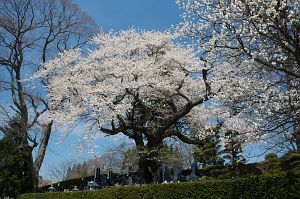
pixel 210 153
pixel 140 84
pixel 13 175
pixel 260 41
pixel 233 149
pixel 272 163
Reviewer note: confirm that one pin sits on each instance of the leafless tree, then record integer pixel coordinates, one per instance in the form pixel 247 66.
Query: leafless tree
pixel 60 171
pixel 31 32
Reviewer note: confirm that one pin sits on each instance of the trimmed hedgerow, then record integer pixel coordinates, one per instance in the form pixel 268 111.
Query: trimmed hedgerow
pixel 263 187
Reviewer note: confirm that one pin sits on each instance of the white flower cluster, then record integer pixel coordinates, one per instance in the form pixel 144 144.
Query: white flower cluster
pixel 259 42
pixel 127 65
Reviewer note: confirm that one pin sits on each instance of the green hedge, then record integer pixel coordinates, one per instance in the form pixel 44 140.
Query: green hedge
pixel 263 187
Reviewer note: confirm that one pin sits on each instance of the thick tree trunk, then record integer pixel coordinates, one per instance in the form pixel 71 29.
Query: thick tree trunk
pixel 148 164
pixel 46 132
pixel 148 160
pixel 28 171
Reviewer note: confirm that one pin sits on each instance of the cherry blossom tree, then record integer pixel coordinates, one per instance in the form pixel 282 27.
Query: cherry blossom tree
pixel 260 41
pixel 140 84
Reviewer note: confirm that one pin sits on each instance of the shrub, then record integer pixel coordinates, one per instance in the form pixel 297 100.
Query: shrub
pixel 290 161
pixel 264 187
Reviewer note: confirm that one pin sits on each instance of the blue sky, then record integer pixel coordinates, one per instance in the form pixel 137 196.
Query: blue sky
pixel 123 14
pixel 112 15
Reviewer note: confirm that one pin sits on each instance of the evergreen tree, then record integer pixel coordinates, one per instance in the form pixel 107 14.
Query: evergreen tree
pixel 233 151
pixel 272 163
pixel 14 175
pixel 210 153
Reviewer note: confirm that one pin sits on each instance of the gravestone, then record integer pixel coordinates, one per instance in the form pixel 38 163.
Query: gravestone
pixel 75 188
pixel 194 172
pixel 92 185
pixel 108 174
pixel 51 188
pixel 176 173
pixel 165 173
pixel 156 177
pixel 103 181
pixel 96 182
pixel 129 174
pixel 97 175
pixel 162 174
pixel 109 179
